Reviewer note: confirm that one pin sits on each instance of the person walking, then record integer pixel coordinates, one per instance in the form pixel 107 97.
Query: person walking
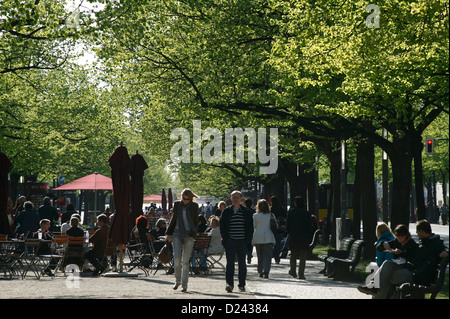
pixel 299 230
pixel 47 211
pixel 237 231
pixel 27 221
pixel 263 237
pixel 279 212
pixel 181 232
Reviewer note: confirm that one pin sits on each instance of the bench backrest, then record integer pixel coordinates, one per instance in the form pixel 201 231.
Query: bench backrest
pixel 356 250
pixel 437 285
pixel 315 239
pixel 346 243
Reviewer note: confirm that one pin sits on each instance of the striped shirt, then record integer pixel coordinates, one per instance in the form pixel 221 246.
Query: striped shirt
pixel 237 224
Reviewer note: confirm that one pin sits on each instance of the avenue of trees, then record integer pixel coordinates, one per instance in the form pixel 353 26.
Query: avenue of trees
pixel 327 74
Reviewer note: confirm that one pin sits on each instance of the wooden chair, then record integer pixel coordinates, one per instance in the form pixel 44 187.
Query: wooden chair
pixel 59 245
pixel 74 252
pixel 199 253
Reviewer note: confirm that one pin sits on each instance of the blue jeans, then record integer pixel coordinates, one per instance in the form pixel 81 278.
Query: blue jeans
pixel 182 250
pixel 236 248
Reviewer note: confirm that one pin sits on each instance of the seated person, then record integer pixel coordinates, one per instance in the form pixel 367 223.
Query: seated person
pixel 159 234
pixel 384 234
pixel 75 230
pixel 45 248
pixel 419 266
pixel 100 240
pixel 139 232
pixel 74 249
pixel 403 246
pixel 215 246
pixel 202 226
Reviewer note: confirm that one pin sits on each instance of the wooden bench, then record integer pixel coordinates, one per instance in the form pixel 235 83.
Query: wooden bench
pixel 414 291
pixel 312 245
pixel 346 266
pixel 343 252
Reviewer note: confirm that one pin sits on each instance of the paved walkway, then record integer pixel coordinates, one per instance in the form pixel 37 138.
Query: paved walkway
pixel 279 286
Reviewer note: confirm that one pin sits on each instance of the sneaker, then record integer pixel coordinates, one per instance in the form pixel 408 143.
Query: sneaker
pixel 368 291
pixel 242 289
pixel 229 288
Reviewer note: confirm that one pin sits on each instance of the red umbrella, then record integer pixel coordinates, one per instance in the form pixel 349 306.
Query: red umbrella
pixel 170 198
pixel 120 164
pixel 94 181
pixel 138 166
pixel 163 200
pixel 5 166
pixel 152 198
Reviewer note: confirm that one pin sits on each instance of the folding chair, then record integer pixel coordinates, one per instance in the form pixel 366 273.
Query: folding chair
pixel 214 259
pixel 74 253
pixel 199 253
pixel 9 253
pixel 138 255
pixel 59 245
pixel 157 263
pixel 32 261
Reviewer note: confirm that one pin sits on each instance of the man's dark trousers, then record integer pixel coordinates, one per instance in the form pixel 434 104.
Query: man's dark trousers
pixel 236 248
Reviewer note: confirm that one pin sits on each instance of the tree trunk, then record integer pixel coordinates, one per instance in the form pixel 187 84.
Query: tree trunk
pixel 401 185
pixel 366 155
pixel 335 172
pixel 418 181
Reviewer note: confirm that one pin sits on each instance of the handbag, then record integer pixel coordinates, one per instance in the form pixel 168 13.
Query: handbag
pixel 165 254
pixel 273 224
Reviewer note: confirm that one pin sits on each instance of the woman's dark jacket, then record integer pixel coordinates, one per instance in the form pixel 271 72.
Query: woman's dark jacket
pixel 193 211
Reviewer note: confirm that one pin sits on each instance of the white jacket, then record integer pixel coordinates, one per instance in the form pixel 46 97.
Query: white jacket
pixel 262 233
pixel 215 247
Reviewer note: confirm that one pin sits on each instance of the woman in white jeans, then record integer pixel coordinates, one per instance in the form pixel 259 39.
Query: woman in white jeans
pixel 263 237
pixel 181 232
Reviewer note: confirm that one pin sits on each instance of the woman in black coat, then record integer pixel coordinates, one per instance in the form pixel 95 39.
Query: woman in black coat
pixel 299 230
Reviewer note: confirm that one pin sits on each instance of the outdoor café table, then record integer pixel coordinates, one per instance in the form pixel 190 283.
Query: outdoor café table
pixel 10 252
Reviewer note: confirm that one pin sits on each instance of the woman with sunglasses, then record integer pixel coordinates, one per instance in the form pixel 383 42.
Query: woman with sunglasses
pixel 181 232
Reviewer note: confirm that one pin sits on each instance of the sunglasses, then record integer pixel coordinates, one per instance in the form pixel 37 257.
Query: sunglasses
pixel 184 198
